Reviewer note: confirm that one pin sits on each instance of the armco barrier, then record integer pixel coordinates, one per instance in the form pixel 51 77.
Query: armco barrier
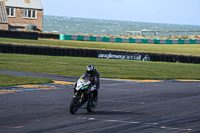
pixel 56 51
pixel 19 34
pixel 128 40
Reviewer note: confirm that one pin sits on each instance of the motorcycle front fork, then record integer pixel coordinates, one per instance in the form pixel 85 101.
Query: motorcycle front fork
pixel 82 98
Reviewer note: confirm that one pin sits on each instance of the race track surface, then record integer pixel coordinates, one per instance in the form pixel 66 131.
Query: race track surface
pixel 124 107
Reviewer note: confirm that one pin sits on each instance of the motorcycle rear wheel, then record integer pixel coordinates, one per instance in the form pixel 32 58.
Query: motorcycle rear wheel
pixel 91 106
pixel 73 106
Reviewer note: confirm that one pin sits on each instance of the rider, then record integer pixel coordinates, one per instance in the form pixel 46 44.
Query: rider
pixel 93 75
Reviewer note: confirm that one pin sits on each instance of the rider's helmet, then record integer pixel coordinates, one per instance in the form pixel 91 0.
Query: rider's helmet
pixel 90 70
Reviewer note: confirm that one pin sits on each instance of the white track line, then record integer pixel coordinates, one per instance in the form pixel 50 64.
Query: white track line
pixel 116 121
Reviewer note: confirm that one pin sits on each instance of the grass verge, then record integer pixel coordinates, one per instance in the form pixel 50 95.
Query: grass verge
pixel 184 49
pixel 108 68
pixel 7 80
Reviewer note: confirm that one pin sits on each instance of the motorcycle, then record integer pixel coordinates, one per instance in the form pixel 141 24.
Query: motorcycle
pixel 83 96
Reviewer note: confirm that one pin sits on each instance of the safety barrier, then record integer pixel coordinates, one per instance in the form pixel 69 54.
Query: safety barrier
pixel 56 51
pixel 128 40
pixel 19 34
pixel 28 35
pixel 48 35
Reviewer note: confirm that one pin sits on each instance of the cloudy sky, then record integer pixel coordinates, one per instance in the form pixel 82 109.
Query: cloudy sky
pixel 156 11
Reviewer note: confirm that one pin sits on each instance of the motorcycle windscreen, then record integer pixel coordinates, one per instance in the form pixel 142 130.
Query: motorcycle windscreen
pixel 82 82
pixel 84 78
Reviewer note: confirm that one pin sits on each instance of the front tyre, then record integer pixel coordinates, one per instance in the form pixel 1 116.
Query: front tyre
pixel 73 106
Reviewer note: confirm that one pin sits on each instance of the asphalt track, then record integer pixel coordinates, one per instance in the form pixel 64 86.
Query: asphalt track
pixel 124 107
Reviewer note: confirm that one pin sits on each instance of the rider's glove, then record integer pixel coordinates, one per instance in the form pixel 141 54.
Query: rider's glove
pixel 93 88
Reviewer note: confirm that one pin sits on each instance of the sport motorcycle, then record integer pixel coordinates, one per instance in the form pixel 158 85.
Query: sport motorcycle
pixel 83 96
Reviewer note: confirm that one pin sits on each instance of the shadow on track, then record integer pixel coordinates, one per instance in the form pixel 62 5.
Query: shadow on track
pixel 111 113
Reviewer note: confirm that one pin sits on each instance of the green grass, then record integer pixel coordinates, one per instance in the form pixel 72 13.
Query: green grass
pixel 7 80
pixel 184 49
pixel 75 66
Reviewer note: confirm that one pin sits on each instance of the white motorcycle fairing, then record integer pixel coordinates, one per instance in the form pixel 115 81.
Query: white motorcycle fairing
pixel 82 82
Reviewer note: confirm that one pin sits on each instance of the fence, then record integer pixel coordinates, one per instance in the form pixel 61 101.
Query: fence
pixel 162 33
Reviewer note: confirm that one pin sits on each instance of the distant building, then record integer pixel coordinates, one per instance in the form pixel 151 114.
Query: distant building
pixel 21 15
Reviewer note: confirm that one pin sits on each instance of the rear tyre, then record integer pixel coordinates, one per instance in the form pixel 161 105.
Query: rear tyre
pixel 73 106
pixel 92 105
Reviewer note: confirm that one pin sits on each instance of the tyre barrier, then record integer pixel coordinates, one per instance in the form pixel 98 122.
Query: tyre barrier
pixel 19 34
pixel 56 51
pixel 48 35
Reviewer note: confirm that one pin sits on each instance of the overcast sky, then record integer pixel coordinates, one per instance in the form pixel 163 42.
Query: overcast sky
pixel 156 11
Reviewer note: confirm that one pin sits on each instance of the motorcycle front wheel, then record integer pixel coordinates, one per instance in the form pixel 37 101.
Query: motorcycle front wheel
pixel 73 106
